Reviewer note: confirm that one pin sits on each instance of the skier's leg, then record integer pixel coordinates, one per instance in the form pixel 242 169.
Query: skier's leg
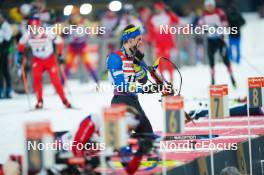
pixel 145 125
pixel 37 70
pixel 52 68
pixel 6 74
pixel 237 43
pixel 1 74
pixel 70 57
pixel 223 49
pixel 211 52
pixel 85 59
pixel 83 134
pixel 230 52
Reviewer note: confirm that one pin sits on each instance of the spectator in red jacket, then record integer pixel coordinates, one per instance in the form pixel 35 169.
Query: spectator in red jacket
pixel 163 42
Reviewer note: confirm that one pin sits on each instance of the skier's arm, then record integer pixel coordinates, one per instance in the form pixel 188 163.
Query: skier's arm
pixel 21 47
pixel 58 41
pixel 175 19
pixel 114 65
pixel 22 43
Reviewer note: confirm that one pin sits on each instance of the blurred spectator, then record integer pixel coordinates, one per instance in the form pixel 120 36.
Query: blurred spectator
pixel 235 19
pixel 127 18
pixel 144 15
pixel 38 9
pixel 164 43
pixel 109 21
pixel 20 16
pixel 5 40
pixel 17 14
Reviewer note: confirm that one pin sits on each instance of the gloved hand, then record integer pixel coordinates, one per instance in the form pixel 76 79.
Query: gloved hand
pixel 137 54
pixel 145 146
pixel 152 88
pixel 61 59
pixel 19 58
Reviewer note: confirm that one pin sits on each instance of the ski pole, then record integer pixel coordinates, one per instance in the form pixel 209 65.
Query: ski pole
pixel 25 81
pixel 65 79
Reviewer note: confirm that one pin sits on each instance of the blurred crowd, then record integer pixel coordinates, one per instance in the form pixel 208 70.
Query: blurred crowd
pixel 148 17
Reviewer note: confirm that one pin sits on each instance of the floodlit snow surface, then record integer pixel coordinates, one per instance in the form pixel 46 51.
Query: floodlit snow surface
pixel 14 112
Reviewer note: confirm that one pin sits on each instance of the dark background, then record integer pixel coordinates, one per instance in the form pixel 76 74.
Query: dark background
pixel 181 7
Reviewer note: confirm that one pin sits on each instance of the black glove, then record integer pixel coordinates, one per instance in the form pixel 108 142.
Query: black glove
pixel 152 88
pixel 137 54
pixel 145 146
pixel 61 59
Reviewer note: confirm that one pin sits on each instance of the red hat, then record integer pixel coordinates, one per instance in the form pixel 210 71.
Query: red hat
pixel 159 5
pixel 34 22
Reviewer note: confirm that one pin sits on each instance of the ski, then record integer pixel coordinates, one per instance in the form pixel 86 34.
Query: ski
pixel 170 138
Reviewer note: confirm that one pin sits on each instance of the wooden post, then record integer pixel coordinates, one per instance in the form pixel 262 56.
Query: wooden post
pixel 115 127
pixel 39 155
pixel 256 92
pixel 219 105
pixel 174 119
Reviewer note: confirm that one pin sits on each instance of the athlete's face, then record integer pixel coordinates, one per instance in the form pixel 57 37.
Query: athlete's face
pixel 210 8
pixel 136 42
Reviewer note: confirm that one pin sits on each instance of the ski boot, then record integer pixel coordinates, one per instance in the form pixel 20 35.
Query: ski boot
pixel 1 91
pixel 67 104
pixel 39 104
pixel 233 82
pixel 212 81
pixel 7 93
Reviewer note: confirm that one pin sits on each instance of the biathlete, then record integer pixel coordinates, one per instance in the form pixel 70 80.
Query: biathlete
pixel 125 69
pixel 44 59
pixel 215 18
